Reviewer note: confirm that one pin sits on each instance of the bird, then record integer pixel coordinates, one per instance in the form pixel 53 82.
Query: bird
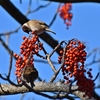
pixel 30 74
pixel 36 26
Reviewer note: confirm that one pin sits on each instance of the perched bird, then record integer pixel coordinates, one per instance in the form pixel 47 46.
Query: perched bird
pixel 35 26
pixel 30 74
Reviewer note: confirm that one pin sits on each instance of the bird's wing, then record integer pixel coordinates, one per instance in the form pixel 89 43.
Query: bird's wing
pixel 42 23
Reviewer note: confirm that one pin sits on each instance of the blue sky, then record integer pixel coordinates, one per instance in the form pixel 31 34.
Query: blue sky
pixel 85 27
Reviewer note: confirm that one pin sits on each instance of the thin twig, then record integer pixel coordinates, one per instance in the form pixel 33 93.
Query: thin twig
pixel 12 83
pixel 96 76
pixel 57 48
pixel 45 52
pixel 57 72
pixel 54 50
pixel 4 44
pixel 7 79
pixel 93 62
pixel 94 55
pixel 38 8
pixel 10 66
pixel 22 96
pixel 49 56
pixel 29 5
pixel 62 95
pixel 44 61
pixel 10 32
pixel 50 63
pixel 20 1
pixel 70 90
pixel 55 15
pixel 94 50
pixel 3 77
pixel 40 56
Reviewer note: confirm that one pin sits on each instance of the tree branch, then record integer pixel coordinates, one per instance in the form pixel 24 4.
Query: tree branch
pixel 74 1
pixel 41 87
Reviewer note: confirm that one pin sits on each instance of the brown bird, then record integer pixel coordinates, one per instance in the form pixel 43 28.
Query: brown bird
pixel 30 74
pixel 36 26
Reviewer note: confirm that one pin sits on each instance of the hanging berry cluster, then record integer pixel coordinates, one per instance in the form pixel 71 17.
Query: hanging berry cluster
pixel 74 60
pixel 29 47
pixel 65 13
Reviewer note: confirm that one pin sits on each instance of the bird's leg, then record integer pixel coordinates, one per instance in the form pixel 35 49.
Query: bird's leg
pixel 33 32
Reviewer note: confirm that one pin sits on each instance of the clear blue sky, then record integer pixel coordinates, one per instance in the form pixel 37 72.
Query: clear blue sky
pixel 85 27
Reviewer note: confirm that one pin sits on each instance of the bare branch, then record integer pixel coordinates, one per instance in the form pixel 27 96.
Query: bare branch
pixel 93 51
pixel 40 56
pixel 57 72
pixel 8 79
pixel 60 96
pixel 10 32
pixel 55 15
pixel 29 5
pixel 29 11
pixel 22 96
pixel 20 1
pixel 45 62
pixel 96 76
pixel 45 52
pixel 41 87
pixel 93 62
pixel 49 60
pixel 5 46
pixel 50 63
pixel 73 1
pixel 10 66
pixel 54 50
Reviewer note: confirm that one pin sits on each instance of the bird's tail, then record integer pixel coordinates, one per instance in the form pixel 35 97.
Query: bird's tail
pixel 50 31
pixel 32 84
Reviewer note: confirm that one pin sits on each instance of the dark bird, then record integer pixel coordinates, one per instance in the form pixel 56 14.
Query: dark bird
pixel 30 74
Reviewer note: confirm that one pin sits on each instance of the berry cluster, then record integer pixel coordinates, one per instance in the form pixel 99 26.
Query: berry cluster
pixel 29 47
pixel 65 13
pixel 74 60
